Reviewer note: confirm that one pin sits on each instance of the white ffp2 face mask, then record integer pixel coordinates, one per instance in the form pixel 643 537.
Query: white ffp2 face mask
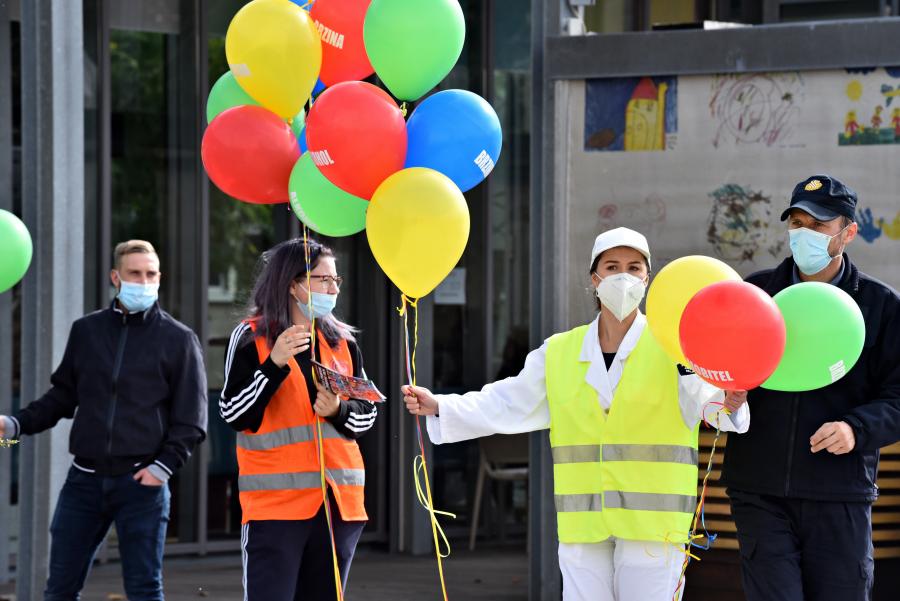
pixel 621 294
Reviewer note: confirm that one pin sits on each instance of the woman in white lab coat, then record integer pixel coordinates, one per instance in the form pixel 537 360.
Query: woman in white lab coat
pixel 623 423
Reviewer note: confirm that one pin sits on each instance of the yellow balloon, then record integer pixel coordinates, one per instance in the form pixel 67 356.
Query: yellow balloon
pixel 275 53
pixel 671 290
pixel 418 226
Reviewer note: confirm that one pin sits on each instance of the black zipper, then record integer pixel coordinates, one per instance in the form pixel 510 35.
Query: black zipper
pixel 117 366
pixel 791 440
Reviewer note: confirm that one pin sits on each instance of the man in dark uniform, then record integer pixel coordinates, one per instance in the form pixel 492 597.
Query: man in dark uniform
pixel 802 480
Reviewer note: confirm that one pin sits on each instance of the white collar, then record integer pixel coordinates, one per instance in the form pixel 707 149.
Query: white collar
pixel 601 379
pixel 590 346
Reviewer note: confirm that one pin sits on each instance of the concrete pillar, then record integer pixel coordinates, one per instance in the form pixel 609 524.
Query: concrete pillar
pixel 6 305
pixel 53 291
pixel 544 582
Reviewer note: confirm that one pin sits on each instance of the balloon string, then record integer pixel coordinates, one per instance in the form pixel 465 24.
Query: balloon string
pixel 320 449
pixel 404 109
pixel 700 514
pixel 312 316
pixel 420 465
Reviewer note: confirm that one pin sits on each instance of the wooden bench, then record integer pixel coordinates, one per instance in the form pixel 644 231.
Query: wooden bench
pixel 885 513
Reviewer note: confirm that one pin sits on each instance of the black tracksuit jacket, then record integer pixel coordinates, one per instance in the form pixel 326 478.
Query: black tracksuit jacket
pixel 136 386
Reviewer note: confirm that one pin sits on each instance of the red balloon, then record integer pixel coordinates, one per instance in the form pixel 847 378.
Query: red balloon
pixel 733 335
pixel 340 24
pixel 356 136
pixel 249 153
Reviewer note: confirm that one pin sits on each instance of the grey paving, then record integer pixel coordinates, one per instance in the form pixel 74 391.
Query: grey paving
pixel 496 575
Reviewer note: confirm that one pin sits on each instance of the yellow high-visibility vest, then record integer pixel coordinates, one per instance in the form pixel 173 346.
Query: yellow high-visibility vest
pixel 631 473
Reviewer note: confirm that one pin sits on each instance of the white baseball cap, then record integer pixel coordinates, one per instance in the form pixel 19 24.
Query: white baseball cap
pixel 621 236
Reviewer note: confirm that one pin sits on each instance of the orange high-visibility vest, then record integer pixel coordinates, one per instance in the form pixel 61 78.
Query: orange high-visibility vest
pixel 279 469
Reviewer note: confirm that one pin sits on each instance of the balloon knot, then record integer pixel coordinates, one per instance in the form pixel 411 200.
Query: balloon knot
pixel 405 300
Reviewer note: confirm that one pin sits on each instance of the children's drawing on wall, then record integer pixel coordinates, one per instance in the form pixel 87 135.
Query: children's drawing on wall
pixel 891 228
pixel 631 113
pixel 647 216
pixel 871 228
pixel 739 224
pixel 760 108
pixel 873 108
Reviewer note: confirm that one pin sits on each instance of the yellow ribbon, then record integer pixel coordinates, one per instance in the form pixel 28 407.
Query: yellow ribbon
pixel 420 465
pixel 692 535
pixel 320 449
pixel 6 443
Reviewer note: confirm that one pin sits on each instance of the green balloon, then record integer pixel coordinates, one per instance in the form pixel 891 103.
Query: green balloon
pixel 825 336
pixel 413 45
pixel 297 123
pixel 15 250
pixel 225 94
pixel 321 205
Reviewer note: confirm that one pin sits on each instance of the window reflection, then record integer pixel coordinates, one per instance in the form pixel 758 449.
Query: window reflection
pixel 238 234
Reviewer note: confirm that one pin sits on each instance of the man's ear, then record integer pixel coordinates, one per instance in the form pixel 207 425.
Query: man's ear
pixel 114 278
pixel 851 232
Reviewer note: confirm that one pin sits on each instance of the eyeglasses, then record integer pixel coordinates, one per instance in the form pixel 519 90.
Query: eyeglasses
pixel 327 280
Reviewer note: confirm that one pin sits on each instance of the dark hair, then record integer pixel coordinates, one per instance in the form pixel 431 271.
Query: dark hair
pixel 270 306
pixel 597 261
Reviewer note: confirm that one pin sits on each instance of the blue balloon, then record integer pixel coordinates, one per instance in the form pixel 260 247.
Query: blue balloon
pixel 456 133
pixel 304 4
pixel 301 141
pixel 319 88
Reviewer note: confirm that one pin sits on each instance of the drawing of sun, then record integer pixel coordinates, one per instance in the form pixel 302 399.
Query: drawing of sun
pixel 854 90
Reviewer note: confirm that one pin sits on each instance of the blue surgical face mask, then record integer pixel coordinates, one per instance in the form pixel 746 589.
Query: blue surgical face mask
pixel 322 305
pixel 137 297
pixel 810 249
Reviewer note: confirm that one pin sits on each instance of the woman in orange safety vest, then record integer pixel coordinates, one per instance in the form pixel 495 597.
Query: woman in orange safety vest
pixel 272 400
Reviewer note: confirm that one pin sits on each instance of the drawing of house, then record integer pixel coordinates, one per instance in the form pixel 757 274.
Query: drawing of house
pixel 645 117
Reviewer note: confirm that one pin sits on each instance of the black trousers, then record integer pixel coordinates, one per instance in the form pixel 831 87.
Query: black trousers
pixel 290 560
pixel 800 550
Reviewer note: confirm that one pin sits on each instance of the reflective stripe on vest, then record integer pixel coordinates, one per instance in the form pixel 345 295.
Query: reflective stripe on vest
pixel 579 453
pixel 281 438
pixel 645 501
pixel 300 480
pixel 586 502
pixel 661 453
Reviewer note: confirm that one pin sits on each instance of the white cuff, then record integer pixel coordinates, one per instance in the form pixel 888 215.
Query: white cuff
pixel 159 471
pixel 433 426
pixel 10 427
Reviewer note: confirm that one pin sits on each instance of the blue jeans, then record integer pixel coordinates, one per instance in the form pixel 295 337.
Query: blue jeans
pixel 88 505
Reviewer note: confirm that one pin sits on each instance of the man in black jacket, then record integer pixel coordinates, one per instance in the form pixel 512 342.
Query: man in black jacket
pixel 134 380
pixel 802 480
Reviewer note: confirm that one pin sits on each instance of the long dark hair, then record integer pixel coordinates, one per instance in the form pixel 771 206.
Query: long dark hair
pixel 270 306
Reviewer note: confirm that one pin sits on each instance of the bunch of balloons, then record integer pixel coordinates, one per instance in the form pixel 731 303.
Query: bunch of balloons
pixel 737 337
pixel 15 250
pixel 353 162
